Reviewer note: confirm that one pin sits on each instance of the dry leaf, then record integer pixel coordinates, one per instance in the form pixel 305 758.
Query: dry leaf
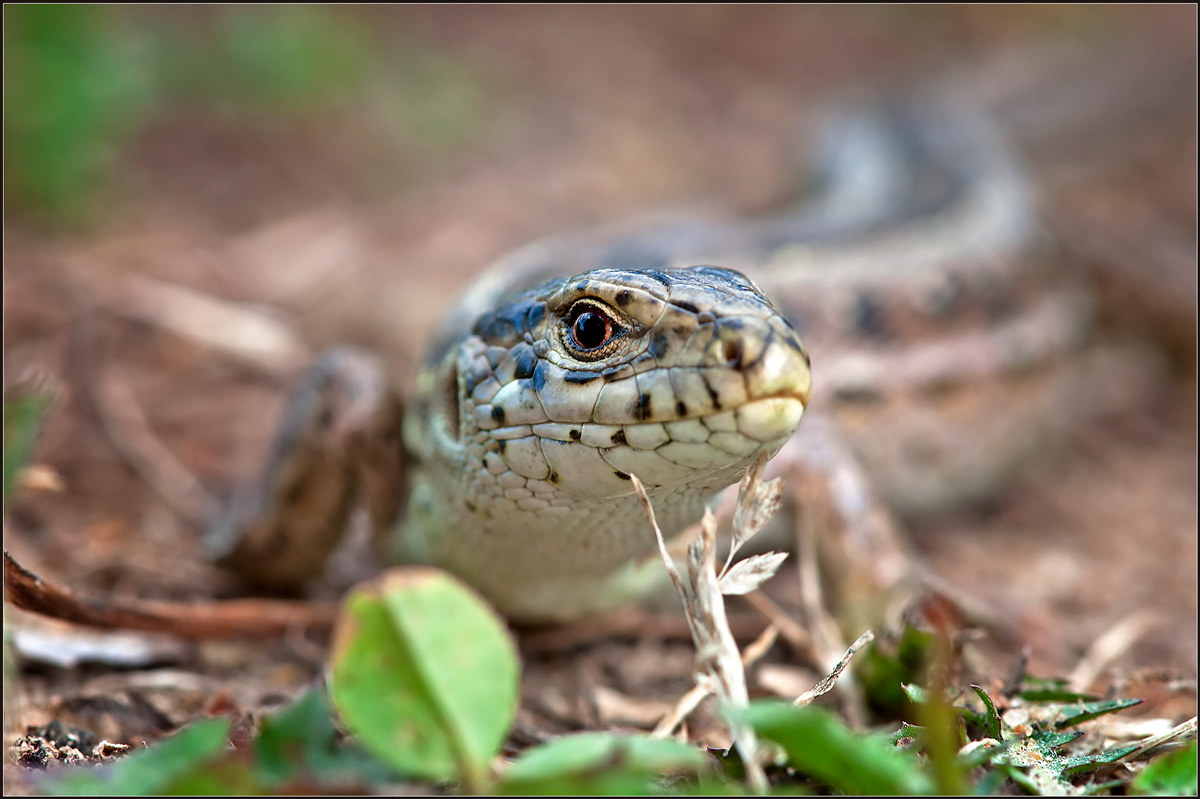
pixel 757 503
pixel 747 575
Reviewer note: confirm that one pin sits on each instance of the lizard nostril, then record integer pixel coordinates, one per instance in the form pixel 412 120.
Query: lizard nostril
pixel 731 351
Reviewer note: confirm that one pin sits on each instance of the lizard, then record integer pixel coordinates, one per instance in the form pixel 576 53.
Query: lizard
pixel 946 346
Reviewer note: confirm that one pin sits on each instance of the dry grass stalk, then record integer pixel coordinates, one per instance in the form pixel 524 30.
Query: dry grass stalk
pixel 830 680
pixel 703 687
pixel 719 665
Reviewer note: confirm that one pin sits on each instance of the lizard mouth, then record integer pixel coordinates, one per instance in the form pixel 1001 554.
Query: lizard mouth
pixel 771 418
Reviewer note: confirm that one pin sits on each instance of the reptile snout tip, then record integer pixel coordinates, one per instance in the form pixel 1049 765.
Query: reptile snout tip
pixel 778 387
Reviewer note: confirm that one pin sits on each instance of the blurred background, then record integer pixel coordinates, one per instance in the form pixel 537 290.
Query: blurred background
pixel 199 198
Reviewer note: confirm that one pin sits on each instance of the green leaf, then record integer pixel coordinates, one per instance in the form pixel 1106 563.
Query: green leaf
pixel 984 755
pixel 1172 774
pixel 300 743
pixel 24 408
pixel 1083 763
pixel 151 771
pixel 229 777
pixel 298 733
pixel 1048 740
pixel 425 674
pixel 600 762
pixel 1047 769
pixel 1055 695
pixel 991 725
pixel 819 745
pixel 906 730
pixel 915 693
pixel 1077 714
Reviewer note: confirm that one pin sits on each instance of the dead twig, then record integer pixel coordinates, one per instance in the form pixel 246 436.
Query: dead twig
pixel 1176 734
pixel 240 618
pixel 830 680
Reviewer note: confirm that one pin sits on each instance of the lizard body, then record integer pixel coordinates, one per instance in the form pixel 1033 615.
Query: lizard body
pixel 943 340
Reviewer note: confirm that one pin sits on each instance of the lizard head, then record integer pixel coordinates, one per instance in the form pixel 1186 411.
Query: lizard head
pixel 680 376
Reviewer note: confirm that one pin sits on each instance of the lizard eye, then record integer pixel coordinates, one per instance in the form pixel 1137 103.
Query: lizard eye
pixel 589 331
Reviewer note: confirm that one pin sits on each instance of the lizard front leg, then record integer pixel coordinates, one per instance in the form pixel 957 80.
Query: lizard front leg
pixel 336 449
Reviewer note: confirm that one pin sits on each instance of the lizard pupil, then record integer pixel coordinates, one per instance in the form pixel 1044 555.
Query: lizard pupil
pixel 590 330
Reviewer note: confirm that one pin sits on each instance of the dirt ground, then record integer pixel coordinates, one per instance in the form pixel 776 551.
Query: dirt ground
pixel 592 115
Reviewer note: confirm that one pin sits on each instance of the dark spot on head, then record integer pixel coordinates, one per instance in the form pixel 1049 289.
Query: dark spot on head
pixel 474 376
pixel 684 305
pixel 324 419
pixel 554 478
pixel 731 352
pixel 618 438
pixel 497 414
pixel 659 342
pixel 469 506
pixel 795 346
pixel 623 297
pixel 574 434
pixel 654 274
pixel 641 407
pixel 621 475
pixel 524 361
pixel 681 408
pixel 502 445
pixel 615 372
pixel 712 395
pixel 642 360
pixel 537 312
pixel 579 376
pixel 539 376
pixel 500 327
